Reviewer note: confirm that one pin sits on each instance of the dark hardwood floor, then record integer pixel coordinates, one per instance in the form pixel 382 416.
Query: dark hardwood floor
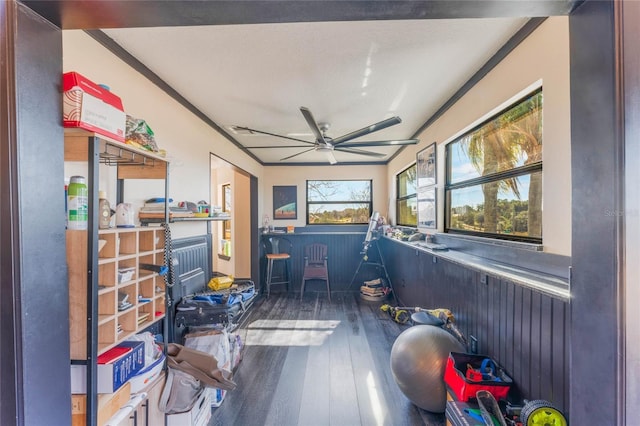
pixel 318 363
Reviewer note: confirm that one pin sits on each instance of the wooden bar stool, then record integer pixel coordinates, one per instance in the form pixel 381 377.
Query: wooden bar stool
pixel 315 266
pixel 277 251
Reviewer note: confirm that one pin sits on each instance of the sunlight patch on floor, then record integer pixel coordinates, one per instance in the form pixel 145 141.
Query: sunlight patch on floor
pixel 289 332
pixel 376 405
pixel 294 324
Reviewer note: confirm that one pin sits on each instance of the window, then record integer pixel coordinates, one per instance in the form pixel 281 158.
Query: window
pixel 406 201
pixel 494 175
pixel 338 202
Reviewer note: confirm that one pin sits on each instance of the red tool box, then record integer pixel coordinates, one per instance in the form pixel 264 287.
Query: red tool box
pixel 465 374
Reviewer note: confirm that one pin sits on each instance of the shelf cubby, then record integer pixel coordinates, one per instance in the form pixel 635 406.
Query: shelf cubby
pixel 127 270
pixel 148 259
pixel 146 314
pixel 146 241
pixel 107 304
pixel 131 290
pixel 159 258
pixel 159 239
pixel 160 286
pixel 128 321
pixel 108 250
pixel 159 307
pixel 146 287
pixel 127 242
pixel 106 334
pixel 107 274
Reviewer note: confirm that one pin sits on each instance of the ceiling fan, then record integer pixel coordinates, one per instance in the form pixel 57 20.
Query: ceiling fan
pixel 328 145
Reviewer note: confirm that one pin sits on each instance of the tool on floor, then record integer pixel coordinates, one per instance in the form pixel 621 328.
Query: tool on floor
pixel 399 315
pixel 439 317
pixel 444 315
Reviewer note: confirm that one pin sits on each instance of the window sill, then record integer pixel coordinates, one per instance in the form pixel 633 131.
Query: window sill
pixel 492 241
pixel 543 272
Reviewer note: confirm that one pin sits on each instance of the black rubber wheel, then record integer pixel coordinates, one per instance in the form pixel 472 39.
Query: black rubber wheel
pixel 541 413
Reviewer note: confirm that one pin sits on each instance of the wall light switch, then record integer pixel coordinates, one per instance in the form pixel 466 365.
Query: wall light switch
pixel 473 345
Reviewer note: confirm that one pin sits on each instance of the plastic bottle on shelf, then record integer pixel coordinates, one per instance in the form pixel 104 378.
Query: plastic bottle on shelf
pixel 66 200
pixel 77 203
pixel 104 210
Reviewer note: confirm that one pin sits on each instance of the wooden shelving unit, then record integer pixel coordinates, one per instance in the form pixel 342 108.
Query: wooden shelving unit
pixel 124 248
pixel 146 221
pixel 106 265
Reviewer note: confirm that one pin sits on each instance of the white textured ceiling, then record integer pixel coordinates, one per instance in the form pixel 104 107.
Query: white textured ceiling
pixel 349 74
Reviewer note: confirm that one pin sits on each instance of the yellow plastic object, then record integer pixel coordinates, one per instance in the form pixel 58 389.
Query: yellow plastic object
pixel 220 283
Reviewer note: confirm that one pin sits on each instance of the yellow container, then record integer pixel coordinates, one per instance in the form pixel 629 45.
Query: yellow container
pixel 220 283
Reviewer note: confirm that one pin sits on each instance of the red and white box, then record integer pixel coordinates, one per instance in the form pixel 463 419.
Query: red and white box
pixel 91 107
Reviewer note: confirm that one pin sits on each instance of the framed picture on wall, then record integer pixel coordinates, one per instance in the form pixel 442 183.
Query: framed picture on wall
pixel 427 208
pixel 285 202
pixel 426 165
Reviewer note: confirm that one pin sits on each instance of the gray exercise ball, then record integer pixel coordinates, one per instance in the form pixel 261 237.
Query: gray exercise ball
pixel 418 359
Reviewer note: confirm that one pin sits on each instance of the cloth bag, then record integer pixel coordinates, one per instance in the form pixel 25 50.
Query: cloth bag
pixel 201 365
pixel 180 393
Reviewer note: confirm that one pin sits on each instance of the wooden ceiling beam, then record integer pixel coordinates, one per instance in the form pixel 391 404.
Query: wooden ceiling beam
pixel 96 14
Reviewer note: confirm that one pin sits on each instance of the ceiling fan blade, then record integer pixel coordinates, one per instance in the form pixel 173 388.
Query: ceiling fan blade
pixel 272 134
pixel 380 143
pixel 359 151
pixel 295 155
pixel 366 130
pixel 331 157
pixel 277 146
pixel 312 123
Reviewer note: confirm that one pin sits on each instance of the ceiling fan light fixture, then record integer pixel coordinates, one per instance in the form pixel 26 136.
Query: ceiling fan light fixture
pixel 324 148
pixel 331 157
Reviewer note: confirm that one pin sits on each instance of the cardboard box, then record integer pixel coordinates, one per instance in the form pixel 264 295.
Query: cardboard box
pixel 91 107
pixel 113 375
pixel 463 414
pixel 108 405
pixel 199 415
pixel 147 375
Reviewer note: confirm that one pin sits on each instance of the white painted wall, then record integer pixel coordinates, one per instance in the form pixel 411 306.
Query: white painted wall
pixel 186 138
pixel 543 58
pixel 241 226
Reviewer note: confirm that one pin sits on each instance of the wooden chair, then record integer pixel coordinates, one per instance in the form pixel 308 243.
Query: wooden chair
pixel 315 266
pixel 277 251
